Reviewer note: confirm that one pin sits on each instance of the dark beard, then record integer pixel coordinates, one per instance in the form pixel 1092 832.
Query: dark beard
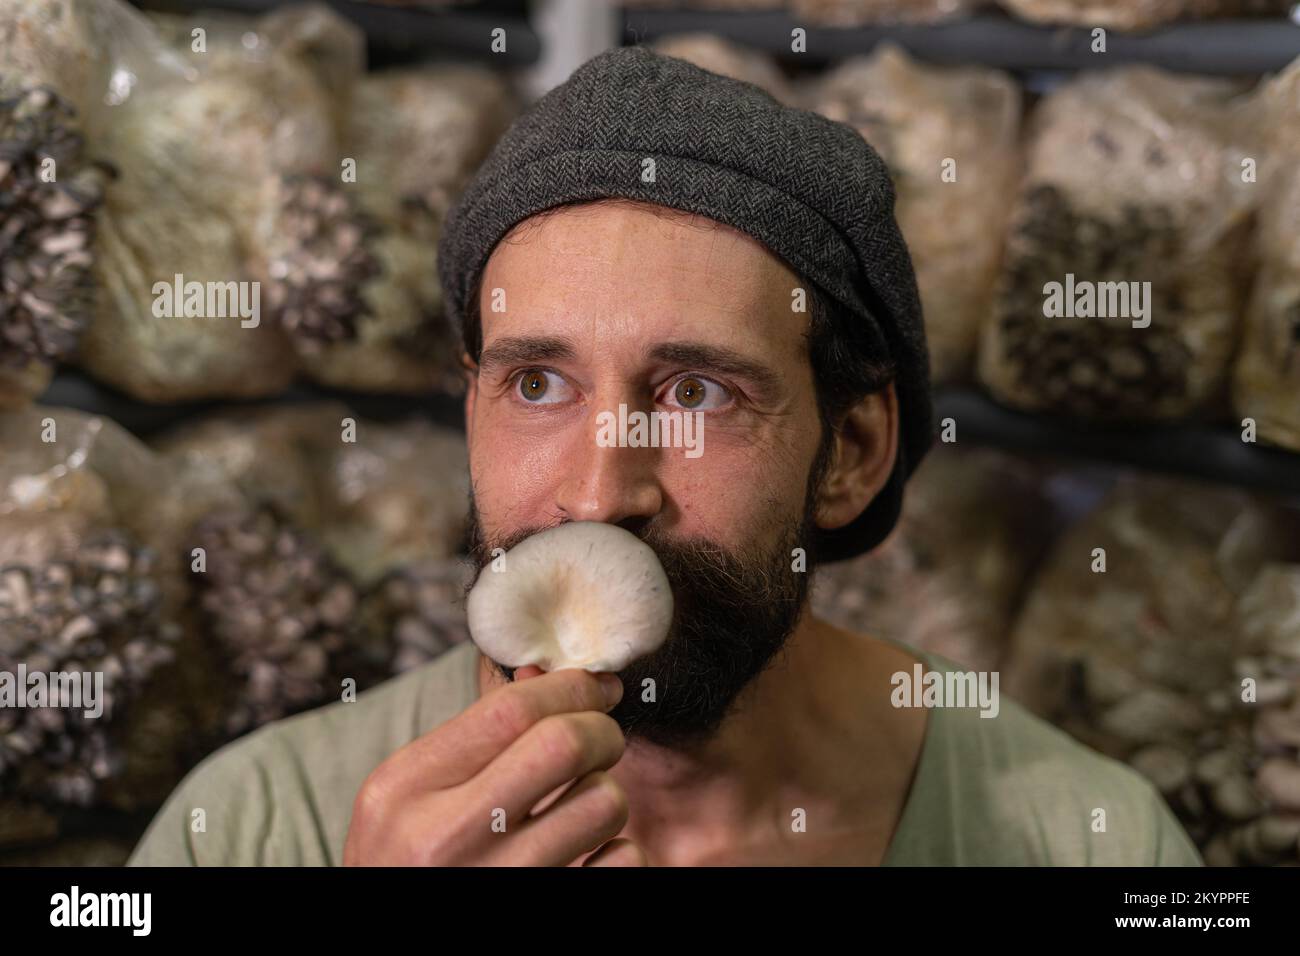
pixel 733 611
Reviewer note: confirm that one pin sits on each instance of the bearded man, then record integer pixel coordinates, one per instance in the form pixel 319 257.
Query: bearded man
pixel 653 235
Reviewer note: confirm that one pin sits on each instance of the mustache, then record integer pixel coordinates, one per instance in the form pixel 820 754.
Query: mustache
pixel 727 576
pixel 481 550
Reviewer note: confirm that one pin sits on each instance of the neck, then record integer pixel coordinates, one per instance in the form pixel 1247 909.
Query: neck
pixel 813 735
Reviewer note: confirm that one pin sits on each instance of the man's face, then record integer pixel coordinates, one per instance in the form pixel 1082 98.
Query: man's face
pixel 596 306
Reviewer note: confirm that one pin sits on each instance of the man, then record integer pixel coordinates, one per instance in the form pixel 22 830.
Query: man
pixel 653 236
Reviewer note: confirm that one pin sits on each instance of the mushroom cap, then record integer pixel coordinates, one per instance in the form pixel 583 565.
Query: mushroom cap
pixel 582 594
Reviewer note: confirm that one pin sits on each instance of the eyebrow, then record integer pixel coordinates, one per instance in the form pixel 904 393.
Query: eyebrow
pixel 720 359
pixel 525 348
pixel 513 350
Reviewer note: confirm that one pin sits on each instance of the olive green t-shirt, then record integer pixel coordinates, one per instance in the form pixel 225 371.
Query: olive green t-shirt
pixel 1001 791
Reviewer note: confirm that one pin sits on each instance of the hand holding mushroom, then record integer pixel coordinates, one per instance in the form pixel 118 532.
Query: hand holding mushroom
pixel 576 598
pixel 471 791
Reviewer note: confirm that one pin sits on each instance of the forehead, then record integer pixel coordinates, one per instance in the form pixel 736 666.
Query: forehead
pixel 666 269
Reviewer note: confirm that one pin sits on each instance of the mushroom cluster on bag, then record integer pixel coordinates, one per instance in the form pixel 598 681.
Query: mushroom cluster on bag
pixel 204 141
pixel 51 189
pixel 88 523
pixel 241 571
pixel 337 555
pixel 416 136
pixel 1161 632
pixel 1125 269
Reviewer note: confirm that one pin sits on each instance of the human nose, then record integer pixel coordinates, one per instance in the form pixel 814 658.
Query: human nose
pixel 607 482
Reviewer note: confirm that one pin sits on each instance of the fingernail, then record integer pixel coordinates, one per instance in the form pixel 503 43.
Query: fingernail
pixel 613 688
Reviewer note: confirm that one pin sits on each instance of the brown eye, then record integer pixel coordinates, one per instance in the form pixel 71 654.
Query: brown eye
pixel 690 392
pixel 532 385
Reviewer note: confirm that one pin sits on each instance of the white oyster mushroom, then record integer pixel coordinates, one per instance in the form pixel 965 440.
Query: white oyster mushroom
pixel 583 594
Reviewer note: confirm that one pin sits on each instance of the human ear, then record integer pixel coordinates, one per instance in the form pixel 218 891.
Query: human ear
pixel 864 448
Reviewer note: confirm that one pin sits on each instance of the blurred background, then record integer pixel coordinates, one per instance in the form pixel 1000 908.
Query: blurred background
pixel 229 521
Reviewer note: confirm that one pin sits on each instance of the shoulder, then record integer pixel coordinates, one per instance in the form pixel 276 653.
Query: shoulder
pixel 282 795
pixel 1017 790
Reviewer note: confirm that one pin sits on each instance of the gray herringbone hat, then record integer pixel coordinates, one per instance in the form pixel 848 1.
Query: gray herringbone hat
pixel 808 188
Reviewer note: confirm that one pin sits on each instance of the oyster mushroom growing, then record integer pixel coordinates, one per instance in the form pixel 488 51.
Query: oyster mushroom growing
pixel 580 595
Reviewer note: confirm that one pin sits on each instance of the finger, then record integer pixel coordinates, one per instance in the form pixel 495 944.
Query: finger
pixel 549 800
pixel 618 852
pixel 457 750
pixel 532 670
pixel 558 749
pixel 457 828
pixel 593 812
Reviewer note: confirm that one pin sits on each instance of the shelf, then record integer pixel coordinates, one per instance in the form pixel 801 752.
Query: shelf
pixel 1192 450
pixel 397 35
pixel 1224 47
pixel 72 389
pixel 1205 451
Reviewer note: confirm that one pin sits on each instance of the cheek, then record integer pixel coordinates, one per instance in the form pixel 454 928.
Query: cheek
pixel 740 485
pixel 514 476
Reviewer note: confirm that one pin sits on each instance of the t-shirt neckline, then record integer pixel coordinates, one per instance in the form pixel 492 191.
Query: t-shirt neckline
pixel 923 778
